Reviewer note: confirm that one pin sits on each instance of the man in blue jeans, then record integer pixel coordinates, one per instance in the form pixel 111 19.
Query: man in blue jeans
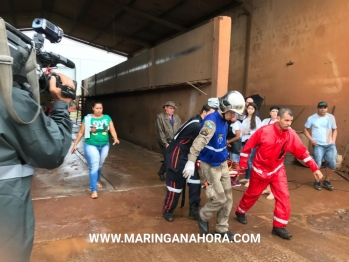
pixel 323 138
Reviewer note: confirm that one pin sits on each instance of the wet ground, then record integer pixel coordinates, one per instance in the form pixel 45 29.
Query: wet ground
pixel 131 201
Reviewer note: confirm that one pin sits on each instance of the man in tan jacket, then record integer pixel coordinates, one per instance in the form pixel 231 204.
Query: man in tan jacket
pixel 166 126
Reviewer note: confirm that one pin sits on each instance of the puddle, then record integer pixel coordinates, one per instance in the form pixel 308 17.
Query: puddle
pixel 61 250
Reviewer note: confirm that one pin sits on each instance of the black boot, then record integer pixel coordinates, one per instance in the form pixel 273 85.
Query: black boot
pixel 281 232
pixel 168 216
pixel 241 217
pixel 202 225
pixel 194 211
pixel 162 177
pixel 227 235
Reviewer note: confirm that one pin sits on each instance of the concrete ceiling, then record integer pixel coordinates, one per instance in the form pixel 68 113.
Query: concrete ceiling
pixel 125 27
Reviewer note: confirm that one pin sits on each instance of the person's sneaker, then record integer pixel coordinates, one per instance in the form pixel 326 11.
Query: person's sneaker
pixel 241 218
pixel 271 196
pixel 203 225
pixel 235 182
pixel 281 232
pixel 244 180
pixel 227 235
pixel 317 185
pixel 194 211
pixel 168 216
pixel 266 191
pixel 326 184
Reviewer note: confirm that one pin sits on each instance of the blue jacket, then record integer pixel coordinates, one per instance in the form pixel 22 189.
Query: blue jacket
pixel 215 152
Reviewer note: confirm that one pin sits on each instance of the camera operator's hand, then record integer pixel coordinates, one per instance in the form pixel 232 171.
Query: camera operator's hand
pixel 56 92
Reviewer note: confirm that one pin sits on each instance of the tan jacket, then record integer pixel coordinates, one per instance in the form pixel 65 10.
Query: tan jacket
pixel 163 128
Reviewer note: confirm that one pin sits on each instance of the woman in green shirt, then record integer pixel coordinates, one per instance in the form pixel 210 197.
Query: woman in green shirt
pixel 95 127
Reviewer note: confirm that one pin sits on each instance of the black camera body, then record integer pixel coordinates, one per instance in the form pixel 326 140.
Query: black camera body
pixel 20 46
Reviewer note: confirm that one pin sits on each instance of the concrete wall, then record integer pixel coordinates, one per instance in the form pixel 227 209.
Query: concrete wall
pixel 310 34
pixel 134 92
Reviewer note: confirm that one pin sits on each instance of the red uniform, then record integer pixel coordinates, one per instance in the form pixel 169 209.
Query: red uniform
pixel 268 168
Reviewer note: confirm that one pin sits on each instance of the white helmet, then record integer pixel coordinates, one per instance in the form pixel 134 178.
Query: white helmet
pixel 233 101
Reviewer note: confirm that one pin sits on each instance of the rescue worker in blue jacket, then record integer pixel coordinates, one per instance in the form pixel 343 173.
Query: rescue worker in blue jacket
pixel 176 158
pixel 210 148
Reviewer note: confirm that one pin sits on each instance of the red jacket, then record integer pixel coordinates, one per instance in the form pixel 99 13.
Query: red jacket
pixel 272 146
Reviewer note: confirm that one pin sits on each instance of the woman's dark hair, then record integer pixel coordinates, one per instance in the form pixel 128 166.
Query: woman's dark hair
pixel 253 118
pixel 206 108
pixel 96 102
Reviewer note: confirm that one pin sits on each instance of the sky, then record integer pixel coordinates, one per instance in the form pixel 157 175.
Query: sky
pixel 88 60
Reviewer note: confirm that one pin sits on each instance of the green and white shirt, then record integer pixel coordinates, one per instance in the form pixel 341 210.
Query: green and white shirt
pixel 99 128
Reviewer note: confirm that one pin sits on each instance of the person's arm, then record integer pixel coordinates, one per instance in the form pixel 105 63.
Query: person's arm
pixel 180 121
pixel 252 142
pixel 334 135
pixel 307 134
pixel 244 129
pixel 264 122
pixel 160 132
pixel 333 127
pixel 78 137
pixel 306 130
pixel 236 138
pixel 45 142
pixel 206 133
pixel 237 129
pixel 301 152
pixel 113 133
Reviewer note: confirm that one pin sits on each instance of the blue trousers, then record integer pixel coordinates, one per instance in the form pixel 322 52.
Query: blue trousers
pixel 95 156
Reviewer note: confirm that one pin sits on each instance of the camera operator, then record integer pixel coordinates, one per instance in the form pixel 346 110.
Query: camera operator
pixel 43 143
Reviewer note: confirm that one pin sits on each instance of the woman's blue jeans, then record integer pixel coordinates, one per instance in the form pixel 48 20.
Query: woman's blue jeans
pixel 95 156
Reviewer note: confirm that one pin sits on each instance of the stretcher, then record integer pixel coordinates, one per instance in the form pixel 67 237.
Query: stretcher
pixel 234 169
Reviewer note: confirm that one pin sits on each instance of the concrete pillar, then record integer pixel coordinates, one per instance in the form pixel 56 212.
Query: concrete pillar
pixel 221 52
pixel 247 7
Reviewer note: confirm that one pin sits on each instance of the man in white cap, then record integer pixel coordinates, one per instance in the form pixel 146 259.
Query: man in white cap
pixel 323 128
pixel 166 126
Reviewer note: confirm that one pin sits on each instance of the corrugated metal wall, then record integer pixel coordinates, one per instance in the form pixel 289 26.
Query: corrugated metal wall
pixel 185 58
pixel 134 92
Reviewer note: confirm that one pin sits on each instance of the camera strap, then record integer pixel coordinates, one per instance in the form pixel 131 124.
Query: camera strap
pixel 6 77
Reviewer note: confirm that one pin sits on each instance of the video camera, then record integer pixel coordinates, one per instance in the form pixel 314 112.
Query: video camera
pixel 20 46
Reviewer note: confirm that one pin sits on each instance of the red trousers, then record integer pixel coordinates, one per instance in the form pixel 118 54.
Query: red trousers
pixel 278 186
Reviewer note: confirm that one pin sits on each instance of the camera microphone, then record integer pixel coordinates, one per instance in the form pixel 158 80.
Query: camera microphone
pixel 62 60
pixel 51 59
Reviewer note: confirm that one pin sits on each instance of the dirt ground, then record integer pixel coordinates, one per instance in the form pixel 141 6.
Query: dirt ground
pixel 131 202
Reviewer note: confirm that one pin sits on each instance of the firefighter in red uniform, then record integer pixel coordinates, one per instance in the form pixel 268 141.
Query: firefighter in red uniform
pixel 272 143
